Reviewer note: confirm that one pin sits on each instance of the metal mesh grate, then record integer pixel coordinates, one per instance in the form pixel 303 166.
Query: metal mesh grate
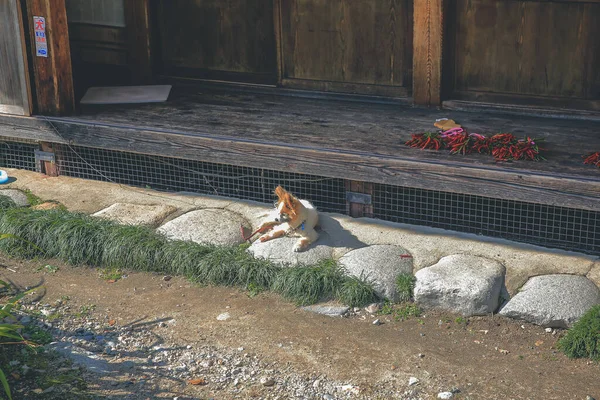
pixel 173 174
pixel 18 155
pixel 549 226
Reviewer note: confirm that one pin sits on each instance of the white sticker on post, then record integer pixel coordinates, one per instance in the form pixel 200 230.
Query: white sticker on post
pixel 39 29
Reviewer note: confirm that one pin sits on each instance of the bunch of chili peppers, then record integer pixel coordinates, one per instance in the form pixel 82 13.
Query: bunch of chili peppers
pixel 593 159
pixel 503 146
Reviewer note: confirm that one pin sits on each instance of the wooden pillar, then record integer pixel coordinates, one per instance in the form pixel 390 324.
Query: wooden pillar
pixel 427 52
pixel 137 19
pixel 52 75
pixel 48 167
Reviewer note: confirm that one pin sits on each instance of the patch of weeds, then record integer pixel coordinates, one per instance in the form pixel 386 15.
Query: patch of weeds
pixel 405 285
pixel 583 339
pixel 460 321
pixel 85 310
pixel 420 322
pixel 37 334
pixel 32 198
pixel 406 311
pixel 386 309
pixel 356 292
pixel 111 274
pixel 48 268
pixel 254 290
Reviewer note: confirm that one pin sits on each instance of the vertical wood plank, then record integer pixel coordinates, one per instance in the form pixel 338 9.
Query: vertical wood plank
pixel 52 75
pixel 278 39
pixel 14 77
pixel 137 20
pixel 427 52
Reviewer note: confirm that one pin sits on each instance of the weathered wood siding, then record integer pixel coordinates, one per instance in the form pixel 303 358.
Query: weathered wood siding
pixel 355 42
pixel 529 48
pixel 231 36
pixel 14 92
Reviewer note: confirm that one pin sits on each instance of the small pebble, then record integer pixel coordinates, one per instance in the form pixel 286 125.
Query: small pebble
pixel 548 330
pixel 412 381
pixel 223 317
pixel 445 395
pixel 377 322
pixel 372 308
pixel 268 382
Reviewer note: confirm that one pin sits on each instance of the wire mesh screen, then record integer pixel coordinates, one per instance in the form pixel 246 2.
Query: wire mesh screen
pixel 549 226
pixel 18 155
pixel 176 175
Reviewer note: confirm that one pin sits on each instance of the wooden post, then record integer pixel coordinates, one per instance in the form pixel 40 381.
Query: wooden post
pixel 354 209
pixel 427 52
pixel 52 75
pixel 137 18
pixel 49 168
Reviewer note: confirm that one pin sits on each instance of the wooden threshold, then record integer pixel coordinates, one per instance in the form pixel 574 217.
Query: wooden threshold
pixel 340 139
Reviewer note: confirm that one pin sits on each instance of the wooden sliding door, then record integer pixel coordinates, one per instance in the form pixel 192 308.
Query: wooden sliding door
pixel 524 52
pixel 360 46
pixel 217 39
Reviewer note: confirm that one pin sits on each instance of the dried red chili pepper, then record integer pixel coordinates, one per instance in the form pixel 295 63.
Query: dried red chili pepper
pixel 592 159
pixel 426 140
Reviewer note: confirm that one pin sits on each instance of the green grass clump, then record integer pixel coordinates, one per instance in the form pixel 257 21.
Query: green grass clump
pixel 405 284
pixel 355 292
pixel 583 339
pixel 308 284
pixel 6 202
pixel 79 239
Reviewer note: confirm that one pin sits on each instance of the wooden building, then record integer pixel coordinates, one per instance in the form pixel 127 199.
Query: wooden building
pixel 330 88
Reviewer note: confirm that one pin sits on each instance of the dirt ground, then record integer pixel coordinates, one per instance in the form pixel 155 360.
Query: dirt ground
pixel 483 357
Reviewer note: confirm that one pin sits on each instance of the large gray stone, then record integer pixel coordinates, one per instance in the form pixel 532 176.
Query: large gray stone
pixel 17 196
pixel 282 250
pixel 214 226
pixel 463 284
pixel 555 301
pixel 381 264
pixel 136 214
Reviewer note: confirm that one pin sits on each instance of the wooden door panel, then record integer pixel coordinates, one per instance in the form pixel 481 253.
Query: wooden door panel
pixel 535 48
pixel 352 41
pixel 235 36
pixel 14 87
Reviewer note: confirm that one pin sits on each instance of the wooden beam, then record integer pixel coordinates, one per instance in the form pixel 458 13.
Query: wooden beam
pixel 52 75
pixel 453 176
pixel 137 18
pixel 427 52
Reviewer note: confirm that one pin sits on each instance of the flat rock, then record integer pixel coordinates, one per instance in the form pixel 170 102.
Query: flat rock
pixel 555 301
pixel 463 284
pixel 282 250
pixel 326 309
pixel 381 264
pixel 17 196
pixel 213 226
pixel 136 214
